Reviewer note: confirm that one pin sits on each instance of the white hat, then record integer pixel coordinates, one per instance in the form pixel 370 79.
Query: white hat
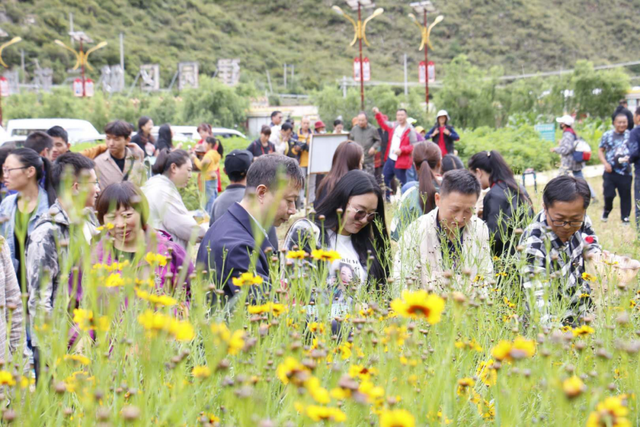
pixel 565 120
pixel 412 121
pixel 443 113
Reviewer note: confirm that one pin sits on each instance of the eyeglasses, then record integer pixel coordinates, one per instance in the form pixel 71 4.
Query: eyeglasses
pixel 572 224
pixel 360 214
pixel 6 170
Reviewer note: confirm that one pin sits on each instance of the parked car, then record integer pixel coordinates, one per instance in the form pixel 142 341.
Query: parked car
pixel 4 136
pixel 78 130
pixel 190 133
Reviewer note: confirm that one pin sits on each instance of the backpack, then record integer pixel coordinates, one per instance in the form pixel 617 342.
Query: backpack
pixel 581 151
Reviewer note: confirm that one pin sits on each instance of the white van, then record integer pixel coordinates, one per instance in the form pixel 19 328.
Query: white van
pixel 78 130
pixel 190 133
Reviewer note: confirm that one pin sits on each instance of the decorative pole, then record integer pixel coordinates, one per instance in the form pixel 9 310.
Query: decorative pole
pixel 82 58
pixel 422 8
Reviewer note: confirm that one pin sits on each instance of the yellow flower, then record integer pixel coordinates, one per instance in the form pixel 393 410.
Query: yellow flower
pixel 487 374
pixel 470 345
pixel 234 341
pixel 164 300
pixel 6 378
pixel 86 322
pixel 114 280
pixel 317 328
pixel 296 254
pixel 419 304
pixel 292 371
pixel 357 371
pixel 325 413
pixel 246 279
pixel 322 255
pixel 611 412
pixel 77 358
pixel 317 392
pixel 154 259
pixel 588 277
pixel 397 418
pixel 370 390
pixel 573 387
pixel 582 331
pixel 181 330
pixel 519 349
pixel 275 309
pixel 201 372
pixel 464 384
pixel 107 226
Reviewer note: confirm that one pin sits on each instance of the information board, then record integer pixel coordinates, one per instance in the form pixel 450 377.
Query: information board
pixel 323 146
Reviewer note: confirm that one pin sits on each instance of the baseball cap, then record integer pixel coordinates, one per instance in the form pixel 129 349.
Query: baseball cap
pixel 238 161
pixel 565 120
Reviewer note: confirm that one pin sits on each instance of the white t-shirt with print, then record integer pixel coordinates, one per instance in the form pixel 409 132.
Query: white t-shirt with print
pixel 346 273
pixel 395 142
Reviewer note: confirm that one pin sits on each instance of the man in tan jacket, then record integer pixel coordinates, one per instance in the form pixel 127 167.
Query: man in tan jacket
pixel 450 238
pixel 118 163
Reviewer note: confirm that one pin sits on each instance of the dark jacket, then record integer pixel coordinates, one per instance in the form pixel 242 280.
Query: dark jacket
pixel 634 148
pixel 227 248
pixel 141 141
pixel 258 150
pixel 448 139
pixel 626 112
pixel 503 212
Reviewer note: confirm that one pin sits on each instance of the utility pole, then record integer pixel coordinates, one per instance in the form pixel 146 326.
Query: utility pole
pixel 406 85
pixel 285 76
pixel 122 56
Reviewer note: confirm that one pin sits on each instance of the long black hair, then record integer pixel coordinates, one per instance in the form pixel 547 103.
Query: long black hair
pixel 373 239
pixel 29 158
pixel 165 139
pixel 494 164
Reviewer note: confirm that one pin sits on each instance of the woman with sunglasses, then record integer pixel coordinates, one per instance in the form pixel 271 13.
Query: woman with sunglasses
pixel 29 174
pixel 344 223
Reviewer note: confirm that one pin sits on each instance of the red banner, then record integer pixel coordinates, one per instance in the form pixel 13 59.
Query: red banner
pixel 366 69
pixel 422 72
pixel 431 68
pixel 4 86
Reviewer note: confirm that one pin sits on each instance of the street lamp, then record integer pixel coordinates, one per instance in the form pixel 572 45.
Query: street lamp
pixel 360 28
pixel 9 43
pixel 82 57
pixel 422 8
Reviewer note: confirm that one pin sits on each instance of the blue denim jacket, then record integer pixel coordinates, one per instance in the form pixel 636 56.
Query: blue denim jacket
pixel 8 209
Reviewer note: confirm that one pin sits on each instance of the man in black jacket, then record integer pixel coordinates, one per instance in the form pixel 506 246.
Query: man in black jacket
pixel 228 249
pixel 622 109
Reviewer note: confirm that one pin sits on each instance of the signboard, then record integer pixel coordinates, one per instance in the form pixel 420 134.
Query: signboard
pixel 88 87
pixel 43 79
pixel 77 87
pixel 12 81
pixel 150 77
pixel 112 78
pixel 366 69
pixel 229 71
pixel 431 70
pixel 323 146
pixel 4 86
pixel 423 69
pixel 187 75
pixel 422 72
pixel 547 131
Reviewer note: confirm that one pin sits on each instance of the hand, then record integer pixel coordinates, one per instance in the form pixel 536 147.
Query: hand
pixel 553 149
pixel 372 151
pixel 608 168
pixel 446 131
pixel 375 110
pixel 435 132
pixel 398 151
pixel 624 159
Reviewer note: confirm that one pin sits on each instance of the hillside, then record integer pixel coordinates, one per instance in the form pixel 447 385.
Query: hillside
pixel 519 35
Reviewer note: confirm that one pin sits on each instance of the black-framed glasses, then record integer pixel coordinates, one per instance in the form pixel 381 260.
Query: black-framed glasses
pixel 572 224
pixel 360 214
pixel 6 170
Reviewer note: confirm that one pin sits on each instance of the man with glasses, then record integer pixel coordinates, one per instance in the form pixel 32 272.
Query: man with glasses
pixel 66 225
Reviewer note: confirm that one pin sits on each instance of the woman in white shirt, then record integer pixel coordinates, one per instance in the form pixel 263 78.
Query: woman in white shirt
pixel 167 212
pixel 361 244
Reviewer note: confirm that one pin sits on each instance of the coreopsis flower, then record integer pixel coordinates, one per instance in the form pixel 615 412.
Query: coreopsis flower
pixel 6 378
pixel 573 387
pixel 361 372
pixel 464 384
pixel 371 391
pixel 317 328
pixel 292 371
pixel 86 321
pixel 317 392
pixel 114 280
pixel 235 341
pixel 275 309
pixel 612 412
pixel 107 226
pixel 201 372
pixel 83 360
pixel 486 372
pixel 296 254
pixel 156 259
pixel 322 255
pixel 582 331
pixel 181 330
pixel 322 413
pixel 397 418
pixel 468 345
pixel 588 277
pixel 246 279
pixel 419 304
pixel 520 348
pixel 164 300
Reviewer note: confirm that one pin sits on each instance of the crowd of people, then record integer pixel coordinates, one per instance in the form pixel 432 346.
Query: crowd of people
pixel 120 200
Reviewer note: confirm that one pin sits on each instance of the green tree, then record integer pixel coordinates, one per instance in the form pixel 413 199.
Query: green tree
pixel 597 92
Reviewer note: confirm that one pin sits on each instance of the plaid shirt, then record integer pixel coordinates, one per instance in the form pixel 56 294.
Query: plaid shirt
pixel 547 258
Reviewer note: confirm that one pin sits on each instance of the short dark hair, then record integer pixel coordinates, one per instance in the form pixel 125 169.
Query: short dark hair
pixel 166 158
pixel 621 114
pixel 402 109
pixel 122 194
pixel 265 130
pixel 58 132
pixel 638 111
pixel 451 162
pixel 266 170
pixel 566 189
pixel 337 122
pixel 38 142
pixel 275 113
pixel 459 181
pixel 623 101
pixel 118 128
pixel 69 162
pixel 287 126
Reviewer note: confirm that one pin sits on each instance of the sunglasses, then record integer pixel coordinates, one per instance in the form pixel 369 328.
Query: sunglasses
pixel 360 214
